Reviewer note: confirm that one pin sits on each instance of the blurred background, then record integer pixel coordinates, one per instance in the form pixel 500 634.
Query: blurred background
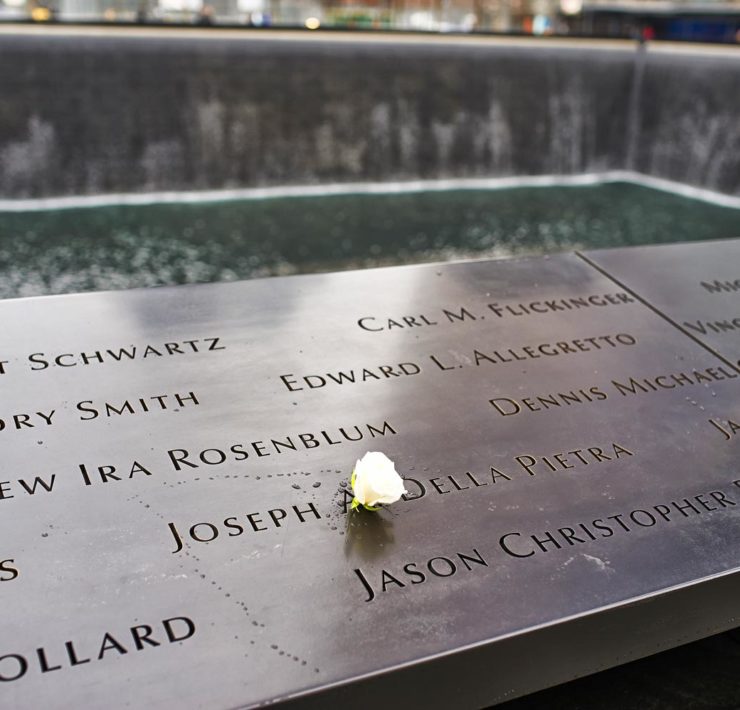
pixel 152 142
pixel 697 20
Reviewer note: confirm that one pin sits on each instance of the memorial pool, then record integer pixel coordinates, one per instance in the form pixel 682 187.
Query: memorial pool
pixel 112 247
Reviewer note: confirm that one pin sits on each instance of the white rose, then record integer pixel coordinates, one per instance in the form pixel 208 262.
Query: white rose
pixel 375 480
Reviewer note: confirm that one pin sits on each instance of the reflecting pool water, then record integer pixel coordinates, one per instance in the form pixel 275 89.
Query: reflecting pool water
pixel 61 251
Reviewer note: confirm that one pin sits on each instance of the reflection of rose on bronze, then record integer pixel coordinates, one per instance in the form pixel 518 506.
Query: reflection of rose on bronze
pixel 375 482
pixel 368 537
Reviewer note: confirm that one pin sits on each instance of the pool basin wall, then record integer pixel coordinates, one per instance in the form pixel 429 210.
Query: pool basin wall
pixel 88 113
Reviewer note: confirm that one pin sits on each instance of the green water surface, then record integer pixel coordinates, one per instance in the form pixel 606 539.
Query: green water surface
pixel 61 251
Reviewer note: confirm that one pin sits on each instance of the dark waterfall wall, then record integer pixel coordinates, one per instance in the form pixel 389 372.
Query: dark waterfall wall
pixel 98 114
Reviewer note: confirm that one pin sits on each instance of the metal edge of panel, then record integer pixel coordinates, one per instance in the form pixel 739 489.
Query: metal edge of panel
pixel 499 670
